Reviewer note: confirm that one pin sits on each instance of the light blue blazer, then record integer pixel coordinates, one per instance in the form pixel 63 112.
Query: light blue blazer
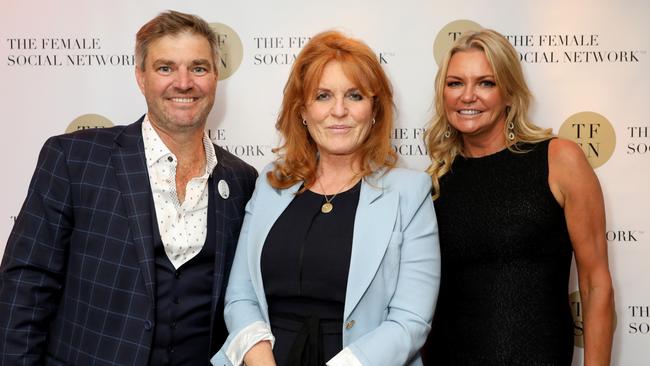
pixel 394 269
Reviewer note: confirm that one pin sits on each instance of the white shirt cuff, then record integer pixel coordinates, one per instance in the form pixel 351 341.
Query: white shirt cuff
pixel 344 358
pixel 246 339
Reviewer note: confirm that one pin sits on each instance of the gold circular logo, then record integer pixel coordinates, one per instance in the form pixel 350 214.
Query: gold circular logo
pixel 88 121
pixel 231 50
pixel 448 35
pixel 594 133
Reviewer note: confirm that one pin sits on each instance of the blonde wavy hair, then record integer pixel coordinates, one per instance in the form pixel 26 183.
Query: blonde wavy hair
pixel 509 77
pixel 298 154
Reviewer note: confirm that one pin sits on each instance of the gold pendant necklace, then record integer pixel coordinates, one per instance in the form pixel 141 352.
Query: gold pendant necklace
pixel 327 207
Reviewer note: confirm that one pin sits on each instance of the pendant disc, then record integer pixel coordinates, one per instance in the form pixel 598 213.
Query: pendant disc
pixel 326 207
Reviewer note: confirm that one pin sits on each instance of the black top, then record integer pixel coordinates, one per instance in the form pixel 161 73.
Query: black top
pixel 506 257
pixel 304 264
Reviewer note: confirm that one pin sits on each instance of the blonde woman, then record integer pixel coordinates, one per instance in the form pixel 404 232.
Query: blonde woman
pixel 513 205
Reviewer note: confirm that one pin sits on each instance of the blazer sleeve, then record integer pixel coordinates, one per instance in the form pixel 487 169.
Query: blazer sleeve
pixel 242 312
pixel 398 339
pixel 34 262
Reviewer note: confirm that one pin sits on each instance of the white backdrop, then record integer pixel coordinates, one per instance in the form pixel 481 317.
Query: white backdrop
pixel 66 59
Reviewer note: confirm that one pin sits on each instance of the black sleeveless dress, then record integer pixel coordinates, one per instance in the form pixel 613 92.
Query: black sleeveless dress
pixel 506 258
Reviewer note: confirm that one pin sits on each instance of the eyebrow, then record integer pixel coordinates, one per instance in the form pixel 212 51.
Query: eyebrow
pixel 330 90
pixel 162 61
pixel 200 61
pixel 491 76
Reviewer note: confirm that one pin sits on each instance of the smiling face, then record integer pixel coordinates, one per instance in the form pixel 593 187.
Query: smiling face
pixel 474 103
pixel 338 115
pixel 178 82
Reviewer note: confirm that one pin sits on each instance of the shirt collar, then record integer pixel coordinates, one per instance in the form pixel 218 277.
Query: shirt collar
pixel 155 149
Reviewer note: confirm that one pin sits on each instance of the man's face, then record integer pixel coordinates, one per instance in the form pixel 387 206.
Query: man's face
pixel 178 82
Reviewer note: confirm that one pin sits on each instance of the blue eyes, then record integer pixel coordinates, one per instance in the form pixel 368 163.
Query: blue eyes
pixel 355 96
pixel 322 96
pixel 352 95
pixel 199 70
pixel 483 83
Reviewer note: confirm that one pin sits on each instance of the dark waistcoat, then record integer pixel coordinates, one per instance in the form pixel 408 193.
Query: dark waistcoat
pixel 184 301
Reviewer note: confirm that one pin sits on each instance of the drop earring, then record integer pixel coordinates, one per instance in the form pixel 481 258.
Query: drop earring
pixel 511 131
pixel 447 132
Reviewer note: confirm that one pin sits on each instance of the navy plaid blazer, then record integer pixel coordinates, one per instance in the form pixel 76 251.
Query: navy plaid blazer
pixel 77 280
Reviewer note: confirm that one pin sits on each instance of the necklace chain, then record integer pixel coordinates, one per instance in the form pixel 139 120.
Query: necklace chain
pixel 327 207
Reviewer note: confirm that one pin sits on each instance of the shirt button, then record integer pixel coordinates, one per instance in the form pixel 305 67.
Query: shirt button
pixel 177 274
pixel 349 324
pixel 147 325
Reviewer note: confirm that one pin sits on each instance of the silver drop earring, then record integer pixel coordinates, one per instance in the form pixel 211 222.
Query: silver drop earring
pixel 304 122
pixel 511 133
pixel 447 132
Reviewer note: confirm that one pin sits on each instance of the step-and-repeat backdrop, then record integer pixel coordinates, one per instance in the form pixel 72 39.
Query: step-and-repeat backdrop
pixel 69 65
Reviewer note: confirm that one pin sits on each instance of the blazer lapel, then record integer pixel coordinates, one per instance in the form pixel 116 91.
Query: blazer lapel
pixel 133 179
pixel 268 208
pixel 224 213
pixel 229 213
pixel 373 225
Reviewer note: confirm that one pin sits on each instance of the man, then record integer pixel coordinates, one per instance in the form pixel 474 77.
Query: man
pixel 121 251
